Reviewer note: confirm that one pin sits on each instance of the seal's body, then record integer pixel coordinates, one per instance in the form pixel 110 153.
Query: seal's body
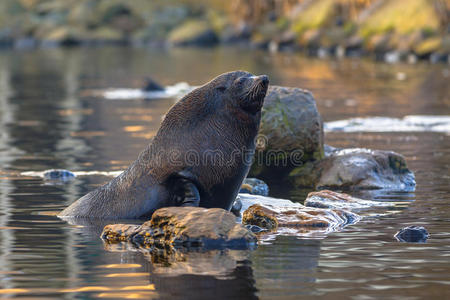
pixel 199 156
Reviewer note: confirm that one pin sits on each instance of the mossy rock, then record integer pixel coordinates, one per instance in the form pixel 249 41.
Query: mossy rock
pixel 63 35
pixel 428 46
pixel 193 32
pixel 290 135
pixel 105 34
pixel 315 15
pixel 403 17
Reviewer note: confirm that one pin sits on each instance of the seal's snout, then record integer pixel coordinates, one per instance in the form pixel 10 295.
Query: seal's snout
pixel 264 80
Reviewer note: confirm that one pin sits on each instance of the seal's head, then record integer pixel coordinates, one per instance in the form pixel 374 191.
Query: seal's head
pixel 242 90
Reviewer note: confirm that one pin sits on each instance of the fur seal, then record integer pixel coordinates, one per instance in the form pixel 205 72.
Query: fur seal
pixel 199 156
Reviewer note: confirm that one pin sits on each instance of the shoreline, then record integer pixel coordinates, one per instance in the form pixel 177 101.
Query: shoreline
pixel 338 52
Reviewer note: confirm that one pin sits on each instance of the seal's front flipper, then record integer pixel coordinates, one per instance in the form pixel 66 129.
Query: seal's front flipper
pixel 191 194
pixel 185 192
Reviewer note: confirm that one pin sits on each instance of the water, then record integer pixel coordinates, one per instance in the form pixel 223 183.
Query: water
pixel 48 119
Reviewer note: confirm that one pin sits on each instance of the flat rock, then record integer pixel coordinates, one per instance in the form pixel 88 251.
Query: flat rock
pixel 356 168
pixel 286 217
pixel 185 227
pixel 365 169
pixel 335 200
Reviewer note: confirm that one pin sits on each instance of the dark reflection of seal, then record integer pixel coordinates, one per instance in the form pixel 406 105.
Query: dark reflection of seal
pixel 198 157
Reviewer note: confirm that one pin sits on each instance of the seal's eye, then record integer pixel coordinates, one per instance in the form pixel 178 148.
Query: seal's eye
pixel 241 80
pixel 221 89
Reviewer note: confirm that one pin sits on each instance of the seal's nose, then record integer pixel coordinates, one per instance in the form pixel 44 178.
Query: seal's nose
pixel 264 80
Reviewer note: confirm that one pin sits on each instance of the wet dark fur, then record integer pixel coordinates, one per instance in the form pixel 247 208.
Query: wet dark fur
pixel 224 115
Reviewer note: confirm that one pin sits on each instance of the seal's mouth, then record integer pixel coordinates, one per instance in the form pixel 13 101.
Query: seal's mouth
pixel 254 98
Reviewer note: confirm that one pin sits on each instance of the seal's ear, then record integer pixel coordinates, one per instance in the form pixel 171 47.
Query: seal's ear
pixel 221 88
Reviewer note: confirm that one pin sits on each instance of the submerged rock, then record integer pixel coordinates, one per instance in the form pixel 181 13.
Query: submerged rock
pixel 58 175
pixel 334 200
pixel 254 186
pixel 297 217
pixel 185 227
pixel 356 168
pixel 287 217
pixel 291 131
pixel 412 234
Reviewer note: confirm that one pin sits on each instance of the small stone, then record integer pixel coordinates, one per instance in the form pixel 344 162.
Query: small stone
pixel 412 234
pixel 58 174
pixel 260 216
pixel 151 85
pixel 237 206
pixel 254 186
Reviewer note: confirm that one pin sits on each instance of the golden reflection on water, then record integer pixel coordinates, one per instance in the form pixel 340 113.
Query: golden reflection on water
pixel 126 274
pixel 119 266
pixel 87 133
pixel 136 118
pixel 132 291
pixel 13 291
pixel 12 227
pixel 144 135
pixel 48 213
pixel 133 128
pixel 123 295
pixel 69 112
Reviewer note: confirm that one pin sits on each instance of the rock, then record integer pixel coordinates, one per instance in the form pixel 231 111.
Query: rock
pixel 151 85
pixel 260 216
pixel 291 131
pixel 334 200
pixel 185 227
pixel 353 46
pixel 237 206
pixel 287 217
pixel 296 217
pixel 412 234
pixel 311 38
pixel 379 43
pixel 254 186
pixel 356 168
pixel 236 34
pixel 61 36
pixel 428 46
pixel 58 175
pixel 193 33
pixel 119 232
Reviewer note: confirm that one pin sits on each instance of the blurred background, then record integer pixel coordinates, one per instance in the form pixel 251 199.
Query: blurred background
pixel 322 27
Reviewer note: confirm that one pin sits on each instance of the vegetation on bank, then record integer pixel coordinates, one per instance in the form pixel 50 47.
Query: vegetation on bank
pixel 344 27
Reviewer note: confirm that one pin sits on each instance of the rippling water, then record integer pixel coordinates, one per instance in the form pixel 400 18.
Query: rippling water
pixel 48 120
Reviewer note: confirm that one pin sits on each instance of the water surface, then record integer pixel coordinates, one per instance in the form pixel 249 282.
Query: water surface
pixel 48 120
